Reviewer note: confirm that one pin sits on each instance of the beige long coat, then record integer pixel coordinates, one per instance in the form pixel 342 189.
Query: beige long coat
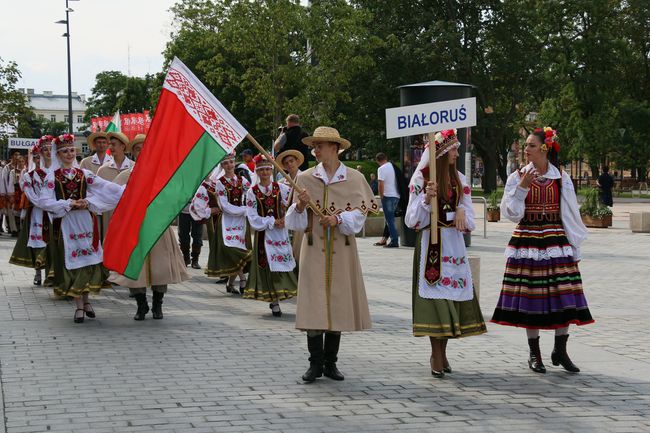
pixel 163 265
pixel 331 292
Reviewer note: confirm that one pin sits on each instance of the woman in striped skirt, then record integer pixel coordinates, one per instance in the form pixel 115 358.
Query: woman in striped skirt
pixel 542 287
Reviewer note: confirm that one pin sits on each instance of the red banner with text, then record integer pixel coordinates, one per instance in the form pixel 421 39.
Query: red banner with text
pixel 132 123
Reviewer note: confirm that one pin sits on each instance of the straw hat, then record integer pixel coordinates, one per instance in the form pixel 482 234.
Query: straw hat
pixel 138 139
pixel 291 152
pixel 94 136
pixel 325 133
pixel 123 138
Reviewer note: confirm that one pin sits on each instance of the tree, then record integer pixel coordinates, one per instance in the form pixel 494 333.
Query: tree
pixel 12 101
pixel 115 91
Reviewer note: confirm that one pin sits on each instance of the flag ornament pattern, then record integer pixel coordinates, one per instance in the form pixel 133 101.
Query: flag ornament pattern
pixel 190 134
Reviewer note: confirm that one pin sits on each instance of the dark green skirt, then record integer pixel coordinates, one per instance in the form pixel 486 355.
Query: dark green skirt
pixel 23 255
pixel 268 286
pixel 225 261
pixel 442 318
pixel 74 282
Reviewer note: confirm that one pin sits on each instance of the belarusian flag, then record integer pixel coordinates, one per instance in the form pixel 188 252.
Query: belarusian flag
pixel 115 125
pixel 190 134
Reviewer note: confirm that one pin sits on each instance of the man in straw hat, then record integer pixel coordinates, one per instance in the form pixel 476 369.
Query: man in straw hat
pixel 335 301
pixel 98 142
pixel 119 145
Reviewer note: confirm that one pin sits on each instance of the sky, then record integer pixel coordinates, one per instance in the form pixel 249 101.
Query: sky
pixel 101 33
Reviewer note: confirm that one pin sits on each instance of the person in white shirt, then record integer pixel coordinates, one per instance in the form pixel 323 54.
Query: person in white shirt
pixel 389 195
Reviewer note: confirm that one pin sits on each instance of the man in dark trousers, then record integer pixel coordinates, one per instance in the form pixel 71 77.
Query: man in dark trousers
pixel 291 139
pixel 606 183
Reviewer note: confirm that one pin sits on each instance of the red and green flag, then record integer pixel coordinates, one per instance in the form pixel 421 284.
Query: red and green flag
pixel 115 125
pixel 190 134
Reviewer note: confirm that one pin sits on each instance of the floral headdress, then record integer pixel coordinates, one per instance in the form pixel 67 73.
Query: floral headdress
pixel 261 161
pixel 550 139
pixel 64 140
pixel 44 140
pixel 230 156
pixel 445 141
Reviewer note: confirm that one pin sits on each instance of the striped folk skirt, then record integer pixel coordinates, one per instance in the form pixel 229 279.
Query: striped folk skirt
pixel 542 286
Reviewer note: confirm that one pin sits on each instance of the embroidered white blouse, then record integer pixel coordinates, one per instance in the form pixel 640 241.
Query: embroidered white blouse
pixel 513 205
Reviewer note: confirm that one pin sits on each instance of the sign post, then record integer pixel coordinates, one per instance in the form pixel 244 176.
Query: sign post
pixel 429 119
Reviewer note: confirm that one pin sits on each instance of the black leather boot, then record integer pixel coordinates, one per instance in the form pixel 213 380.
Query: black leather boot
pixel 332 342
pixel 535 360
pixel 156 305
pixel 185 249
pixel 143 306
pixel 196 252
pixel 559 356
pixel 315 346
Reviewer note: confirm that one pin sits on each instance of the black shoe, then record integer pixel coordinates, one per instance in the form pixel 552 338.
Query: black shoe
pixel 222 280
pixel 195 264
pixel 447 369
pixel 330 370
pixel 156 305
pixel 438 374
pixel 37 280
pixel 196 252
pixel 79 319
pixel 315 346
pixel 535 359
pixel 90 313
pixel 391 246
pixel 276 311
pixel 559 356
pixel 143 306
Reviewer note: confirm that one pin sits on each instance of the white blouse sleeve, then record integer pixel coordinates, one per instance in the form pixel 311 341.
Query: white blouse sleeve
pixel 225 205
pixel 575 230
pixel 351 222
pixel 513 203
pixel 256 221
pixel 294 220
pixel 466 203
pixel 285 192
pixel 102 195
pixel 11 189
pixel 418 212
pixel 48 202
pixel 30 190
pixel 199 209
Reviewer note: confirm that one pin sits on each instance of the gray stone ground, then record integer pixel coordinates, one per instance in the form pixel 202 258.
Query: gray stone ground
pixel 223 364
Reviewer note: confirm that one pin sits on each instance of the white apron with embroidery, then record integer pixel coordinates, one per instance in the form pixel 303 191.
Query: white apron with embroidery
pixel 233 229
pixel 77 233
pixel 279 252
pixel 36 229
pixel 455 282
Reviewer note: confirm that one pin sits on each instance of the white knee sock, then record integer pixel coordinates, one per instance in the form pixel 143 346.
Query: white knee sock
pixel 562 331
pixel 532 333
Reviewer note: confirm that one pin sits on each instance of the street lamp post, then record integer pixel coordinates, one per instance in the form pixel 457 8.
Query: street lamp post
pixel 67 36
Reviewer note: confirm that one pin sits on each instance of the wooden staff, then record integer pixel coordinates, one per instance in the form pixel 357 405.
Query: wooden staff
pixel 293 184
pixel 434 200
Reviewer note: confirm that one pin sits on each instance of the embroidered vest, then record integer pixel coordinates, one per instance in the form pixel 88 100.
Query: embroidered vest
pixel 543 201
pixel 234 191
pixel 269 205
pixel 74 188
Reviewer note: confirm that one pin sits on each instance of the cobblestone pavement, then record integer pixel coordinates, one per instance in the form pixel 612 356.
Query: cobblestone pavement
pixel 220 363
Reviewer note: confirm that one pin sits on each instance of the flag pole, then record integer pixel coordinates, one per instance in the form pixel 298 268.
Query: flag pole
pixel 434 200
pixel 293 184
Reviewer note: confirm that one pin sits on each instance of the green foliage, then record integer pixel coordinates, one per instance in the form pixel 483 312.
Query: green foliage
pixel 12 102
pixel 115 91
pixel 32 126
pixel 592 206
pixel 494 200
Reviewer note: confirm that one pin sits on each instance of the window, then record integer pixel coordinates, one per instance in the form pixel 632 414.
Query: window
pixel 80 118
pixel 65 118
pixel 53 117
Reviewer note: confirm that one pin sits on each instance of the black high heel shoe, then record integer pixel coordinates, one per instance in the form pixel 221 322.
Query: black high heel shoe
pixel 276 312
pixel 91 313
pixel 434 373
pixel 79 319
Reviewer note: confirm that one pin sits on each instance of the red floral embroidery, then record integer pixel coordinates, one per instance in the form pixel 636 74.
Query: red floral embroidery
pixel 446 281
pixel 50 185
pixel 90 180
pixel 466 190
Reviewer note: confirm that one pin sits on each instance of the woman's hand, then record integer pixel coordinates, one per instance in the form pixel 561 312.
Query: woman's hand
pixel 526 178
pixel 431 190
pixel 303 201
pixel 279 223
pixel 215 211
pixel 459 220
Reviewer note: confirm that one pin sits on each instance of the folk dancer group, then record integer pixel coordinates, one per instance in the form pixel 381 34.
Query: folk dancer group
pixel 265 228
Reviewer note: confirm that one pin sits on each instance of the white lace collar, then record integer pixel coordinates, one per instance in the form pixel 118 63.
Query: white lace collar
pixel 551 173
pixel 339 176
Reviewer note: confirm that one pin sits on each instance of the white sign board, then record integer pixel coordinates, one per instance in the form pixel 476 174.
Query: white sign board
pixel 433 117
pixel 22 143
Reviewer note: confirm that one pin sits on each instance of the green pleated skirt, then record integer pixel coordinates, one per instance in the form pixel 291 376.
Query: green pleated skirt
pixel 267 286
pixel 22 255
pixel 442 318
pixel 74 282
pixel 225 261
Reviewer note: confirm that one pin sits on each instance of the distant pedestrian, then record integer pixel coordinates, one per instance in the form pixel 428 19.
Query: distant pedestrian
pixel 374 184
pixel 389 194
pixel 291 139
pixel 606 183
